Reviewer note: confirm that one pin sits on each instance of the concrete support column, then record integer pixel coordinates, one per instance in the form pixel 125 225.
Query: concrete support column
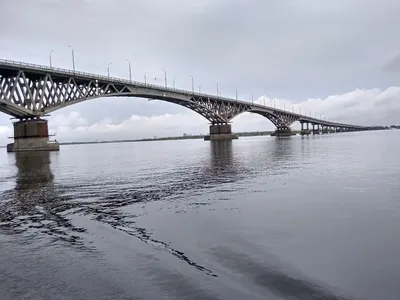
pixel 283 132
pixel 220 132
pixel 304 131
pixel 32 135
pixel 316 130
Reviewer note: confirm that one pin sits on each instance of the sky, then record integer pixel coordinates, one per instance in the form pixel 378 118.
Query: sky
pixel 336 59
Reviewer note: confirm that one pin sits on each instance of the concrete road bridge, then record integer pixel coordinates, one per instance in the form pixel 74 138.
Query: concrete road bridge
pixel 28 92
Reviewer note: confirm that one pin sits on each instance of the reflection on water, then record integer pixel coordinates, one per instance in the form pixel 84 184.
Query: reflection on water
pixel 33 170
pixel 31 207
pixel 283 150
pixel 276 278
pixel 221 155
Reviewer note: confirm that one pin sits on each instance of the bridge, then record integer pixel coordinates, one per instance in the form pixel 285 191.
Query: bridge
pixel 29 92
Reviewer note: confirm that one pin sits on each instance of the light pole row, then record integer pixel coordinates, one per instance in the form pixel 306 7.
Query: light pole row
pixel 165 79
pixel 73 57
pixel 145 77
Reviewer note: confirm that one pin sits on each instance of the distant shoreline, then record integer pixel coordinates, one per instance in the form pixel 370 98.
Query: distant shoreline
pixel 192 137
pixel 172 138
pixel 199 136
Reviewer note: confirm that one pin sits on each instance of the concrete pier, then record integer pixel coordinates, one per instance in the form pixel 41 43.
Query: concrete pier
pixel 305 131
pixel 283 132
pixel 315 128
pixel 324 130
pixel 220 132
pixel 32 135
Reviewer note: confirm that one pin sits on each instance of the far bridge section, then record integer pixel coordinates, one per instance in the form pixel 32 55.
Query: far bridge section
pixel 29 92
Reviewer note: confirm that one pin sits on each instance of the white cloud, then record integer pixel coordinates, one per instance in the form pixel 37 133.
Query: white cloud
pixel 131 128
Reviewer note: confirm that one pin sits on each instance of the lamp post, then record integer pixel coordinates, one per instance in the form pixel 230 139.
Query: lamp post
pixel 236 93
pixel 50 57
pixel 192 83
pixel 165 76
pixel 73 57
pixel 130 70
pixel 173 82
pixel 199 88
pixel 145 78
pixel 108 70
pixel 217 91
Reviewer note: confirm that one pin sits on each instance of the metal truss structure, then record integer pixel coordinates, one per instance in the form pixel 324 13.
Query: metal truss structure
pixel 33 91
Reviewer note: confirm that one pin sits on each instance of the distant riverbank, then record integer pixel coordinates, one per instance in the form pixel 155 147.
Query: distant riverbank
pixel 192 137
pixel 171 138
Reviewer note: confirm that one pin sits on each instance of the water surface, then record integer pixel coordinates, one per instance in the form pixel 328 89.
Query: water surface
pixel 256 218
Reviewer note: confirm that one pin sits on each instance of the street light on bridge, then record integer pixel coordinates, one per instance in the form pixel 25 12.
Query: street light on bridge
pixel 50 57
pixel 165 76
pixel 108 70
pixel 236 94
pixel 217 91
pixel 173 82
pixel 192 83
pixel 199 88
pixel 145 78
pixel 73 57
pixel 130 70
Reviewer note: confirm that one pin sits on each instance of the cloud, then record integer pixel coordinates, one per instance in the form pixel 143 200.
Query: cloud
pixel 134 127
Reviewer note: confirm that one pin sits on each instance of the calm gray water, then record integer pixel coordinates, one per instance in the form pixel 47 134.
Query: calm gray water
pixel 257 218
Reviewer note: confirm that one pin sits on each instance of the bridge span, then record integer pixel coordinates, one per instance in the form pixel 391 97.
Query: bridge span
pixel 28 92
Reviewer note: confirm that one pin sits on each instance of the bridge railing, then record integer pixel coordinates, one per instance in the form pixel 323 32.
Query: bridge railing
pixel 92 76
pixel 96 76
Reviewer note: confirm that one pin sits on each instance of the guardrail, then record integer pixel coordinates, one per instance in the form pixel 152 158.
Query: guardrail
pixel 92 76
pixel 14 63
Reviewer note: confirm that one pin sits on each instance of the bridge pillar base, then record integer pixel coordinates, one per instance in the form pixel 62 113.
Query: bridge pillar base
pixel 32 135
pixel 305 132
pixel 220 132
pixel 283 132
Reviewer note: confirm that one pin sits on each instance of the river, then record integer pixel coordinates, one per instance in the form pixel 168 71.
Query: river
pixel 313 217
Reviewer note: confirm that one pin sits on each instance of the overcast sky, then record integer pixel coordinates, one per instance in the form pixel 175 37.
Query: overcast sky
pixel 336 58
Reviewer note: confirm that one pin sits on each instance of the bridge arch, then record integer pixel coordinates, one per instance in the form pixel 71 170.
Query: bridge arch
pixel 189 103
pixel 281 120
